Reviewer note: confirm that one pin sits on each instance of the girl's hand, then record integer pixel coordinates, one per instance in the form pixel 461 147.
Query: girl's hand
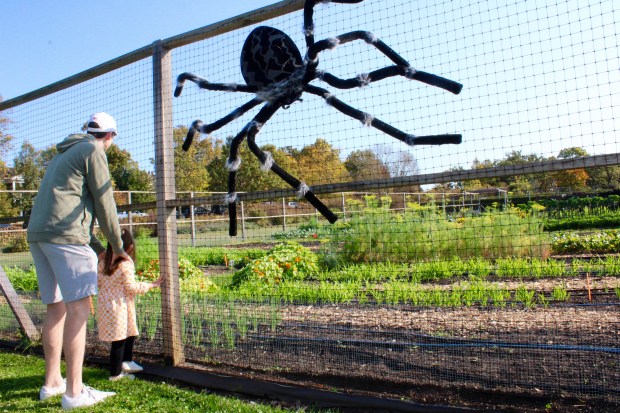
pixel 157 282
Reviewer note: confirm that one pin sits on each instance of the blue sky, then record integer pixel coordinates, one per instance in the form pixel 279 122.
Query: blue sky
pixel 539 75
pixel 43 42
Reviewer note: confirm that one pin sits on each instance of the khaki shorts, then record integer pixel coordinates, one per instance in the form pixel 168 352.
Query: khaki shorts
pixel 65 272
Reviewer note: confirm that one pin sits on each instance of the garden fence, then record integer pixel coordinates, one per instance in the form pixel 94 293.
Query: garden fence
pixel 439 278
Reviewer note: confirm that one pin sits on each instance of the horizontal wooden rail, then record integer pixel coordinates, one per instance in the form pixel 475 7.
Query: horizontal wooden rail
pixel 556 165
pixel 423 179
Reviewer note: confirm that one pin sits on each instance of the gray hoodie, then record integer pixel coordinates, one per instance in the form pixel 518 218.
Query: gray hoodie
pixel 76 189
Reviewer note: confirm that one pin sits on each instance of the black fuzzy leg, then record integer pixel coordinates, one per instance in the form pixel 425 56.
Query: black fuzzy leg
pixel 379 124
pixel 428 78
pixel 198 126
pixel 391 71
pixel 233 157
pixel 205 84
pixel 261 118
pixel 308 13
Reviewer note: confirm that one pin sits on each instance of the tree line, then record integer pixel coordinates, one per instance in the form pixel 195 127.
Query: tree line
pixel 202 169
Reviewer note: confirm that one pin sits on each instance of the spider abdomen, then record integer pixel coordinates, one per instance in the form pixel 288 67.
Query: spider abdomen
pixel 269 56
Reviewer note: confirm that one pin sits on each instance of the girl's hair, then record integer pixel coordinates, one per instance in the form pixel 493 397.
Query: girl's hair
pixel 108 266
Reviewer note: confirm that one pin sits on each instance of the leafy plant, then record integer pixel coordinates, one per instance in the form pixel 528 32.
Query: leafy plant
pixel 603 242
pixel 192 278
pixel 286 261
pixel 525 296
pixel 22 280
pixel 559 293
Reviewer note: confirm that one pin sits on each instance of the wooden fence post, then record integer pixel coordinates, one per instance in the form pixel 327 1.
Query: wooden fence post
pixel 193 222
pixel 242 221
pixel 23 318
pixel 283 214
pixel 166 216
pixel 129 217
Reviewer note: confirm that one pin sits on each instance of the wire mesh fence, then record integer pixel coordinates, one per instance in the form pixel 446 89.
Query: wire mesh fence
pixel 491 265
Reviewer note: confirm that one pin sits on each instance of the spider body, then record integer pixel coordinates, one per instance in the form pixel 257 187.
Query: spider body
pixel 270 57
pixel 274 70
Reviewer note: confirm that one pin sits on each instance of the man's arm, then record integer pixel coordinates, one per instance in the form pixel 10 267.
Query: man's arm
pixel 100 186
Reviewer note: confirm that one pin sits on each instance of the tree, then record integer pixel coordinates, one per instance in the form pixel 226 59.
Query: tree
pixel 604 178
pixel 6 207
pixel 460 185
pixel 191 167
pixel 127 176
pixel 398 162
pixel 319 163
pixel 5 138
pixel 522 183
pixel 249 176
pixel 574 179
pixel 364 164
pixel 487 182
pixel 29 164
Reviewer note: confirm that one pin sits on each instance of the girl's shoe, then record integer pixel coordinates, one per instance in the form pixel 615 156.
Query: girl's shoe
pixel 131 367
pixel 121 376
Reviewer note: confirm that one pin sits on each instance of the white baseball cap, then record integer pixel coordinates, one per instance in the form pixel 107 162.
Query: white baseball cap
pixel 105 123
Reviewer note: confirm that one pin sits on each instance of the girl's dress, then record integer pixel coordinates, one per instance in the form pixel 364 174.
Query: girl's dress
pixel 116 310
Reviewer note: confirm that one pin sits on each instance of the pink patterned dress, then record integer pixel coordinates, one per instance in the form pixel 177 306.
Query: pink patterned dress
pixel 116 310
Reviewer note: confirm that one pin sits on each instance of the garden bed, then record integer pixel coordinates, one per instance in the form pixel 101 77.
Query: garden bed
pixel 481 358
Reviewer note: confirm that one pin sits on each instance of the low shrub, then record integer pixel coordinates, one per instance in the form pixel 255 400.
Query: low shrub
pixel 286 261
pixel 18 244
pixel 604 242
pixel 583 222
pixel 186 270
pixel 22 280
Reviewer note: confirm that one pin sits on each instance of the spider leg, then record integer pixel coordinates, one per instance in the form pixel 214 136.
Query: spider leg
pixel 199 127
pixel 309 11
pixel 370 120
pixel 403 68
pixel 267 163
pixel 232 164
pixel 364 79
pixel 205 84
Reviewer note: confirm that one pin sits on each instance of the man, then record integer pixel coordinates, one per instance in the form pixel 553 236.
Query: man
pixel 75 190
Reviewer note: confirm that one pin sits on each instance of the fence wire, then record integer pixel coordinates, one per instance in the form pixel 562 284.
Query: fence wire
pixel 488 266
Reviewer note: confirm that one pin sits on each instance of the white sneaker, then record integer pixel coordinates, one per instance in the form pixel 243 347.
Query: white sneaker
pixel 123 375
pixel 88 397
pixel 47 392
pixel 131 367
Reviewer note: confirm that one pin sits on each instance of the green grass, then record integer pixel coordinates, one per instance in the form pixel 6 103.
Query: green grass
pixel 21 377
pixel 16 259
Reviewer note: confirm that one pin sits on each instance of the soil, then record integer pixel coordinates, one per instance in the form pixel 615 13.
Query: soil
pixel 563 358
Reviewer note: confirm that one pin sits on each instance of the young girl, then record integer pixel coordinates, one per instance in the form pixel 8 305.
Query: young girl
pixel 116 311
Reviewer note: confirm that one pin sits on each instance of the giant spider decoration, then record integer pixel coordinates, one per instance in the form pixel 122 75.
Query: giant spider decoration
pixel 274 70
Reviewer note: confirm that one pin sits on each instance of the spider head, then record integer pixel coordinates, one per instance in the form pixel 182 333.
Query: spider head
pixel 271 61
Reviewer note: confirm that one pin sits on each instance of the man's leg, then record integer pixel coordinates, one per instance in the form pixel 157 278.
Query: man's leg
pixel 53 327
pixel 74 342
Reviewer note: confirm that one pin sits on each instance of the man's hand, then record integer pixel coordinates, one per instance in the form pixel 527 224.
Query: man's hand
pixel 116 257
